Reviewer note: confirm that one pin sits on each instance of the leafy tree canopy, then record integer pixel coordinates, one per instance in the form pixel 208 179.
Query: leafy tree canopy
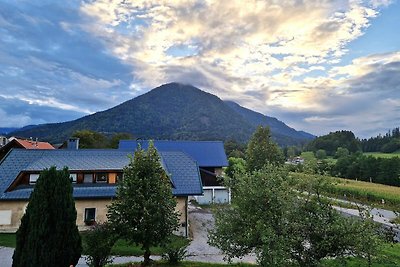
pixel 331 142
pixel 144 210
pixel 269 218
pixel 93 139
pixel 261 150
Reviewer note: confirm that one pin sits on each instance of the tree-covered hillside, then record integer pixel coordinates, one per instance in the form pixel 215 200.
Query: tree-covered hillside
pixel 388 143
pixel 332 141
pixel 171 111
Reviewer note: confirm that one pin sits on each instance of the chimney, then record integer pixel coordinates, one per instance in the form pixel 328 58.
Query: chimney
pixel 73 144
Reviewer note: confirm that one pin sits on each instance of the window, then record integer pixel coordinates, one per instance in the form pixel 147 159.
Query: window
pixel 33 178
pixel 72 176
pixel 90 216
pixel 88 178
pixel 120 177
pixel 101 177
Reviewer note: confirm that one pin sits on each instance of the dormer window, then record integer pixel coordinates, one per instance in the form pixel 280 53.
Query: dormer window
pixel 33 178
pixel 72 177
pixel 120 177
pixel 101 177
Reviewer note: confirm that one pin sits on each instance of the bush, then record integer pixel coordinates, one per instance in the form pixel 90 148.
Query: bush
pixel 99 241
pixel 175 251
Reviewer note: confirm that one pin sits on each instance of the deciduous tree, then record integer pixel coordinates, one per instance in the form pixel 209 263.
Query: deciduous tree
pixel 144 210
pixel 261 150
pixel 283 227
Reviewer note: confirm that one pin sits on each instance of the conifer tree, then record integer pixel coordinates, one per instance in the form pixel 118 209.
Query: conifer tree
pixel 144 210
pixel 48 235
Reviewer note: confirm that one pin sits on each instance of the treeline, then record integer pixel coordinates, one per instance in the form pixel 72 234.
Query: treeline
pixel 367 168
pixel 93 139
pixel 332 141
pixel 388 143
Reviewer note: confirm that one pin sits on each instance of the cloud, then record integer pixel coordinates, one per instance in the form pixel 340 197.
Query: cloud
pixel 48 61
pixel 367 100
pixel 282 58
pixel 258 53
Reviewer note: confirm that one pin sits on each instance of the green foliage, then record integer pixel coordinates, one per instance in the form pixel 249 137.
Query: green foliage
pixel 261 150
pixel 234 149
pixel 331 142
pixel 236 166
pixel 144 210
pixel 269 218
pixel 49 225
pixel 377 170
pixel 388 143
pixel 341 152
pixel 93 139
pixel 256 218
pixel 320 154
pixel 90 139
pixel 175 252
pixel 99 241
pixel 291 151
pixel 392 146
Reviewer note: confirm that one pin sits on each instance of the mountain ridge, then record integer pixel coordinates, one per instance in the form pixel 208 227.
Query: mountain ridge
pixel 171 111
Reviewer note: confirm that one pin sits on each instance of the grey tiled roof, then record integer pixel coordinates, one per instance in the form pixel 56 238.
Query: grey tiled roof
pixel 182 169
pixel 184 172
pixel 206 153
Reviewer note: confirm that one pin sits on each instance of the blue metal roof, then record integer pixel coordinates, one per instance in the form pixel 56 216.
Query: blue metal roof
pixel 182 169
pixel 206 153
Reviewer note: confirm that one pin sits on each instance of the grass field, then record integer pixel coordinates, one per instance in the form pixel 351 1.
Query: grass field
pixel 388 256
pixel 309 156
pixel 185 264
pixel 383 155
pixel 121 247
pixel 368 193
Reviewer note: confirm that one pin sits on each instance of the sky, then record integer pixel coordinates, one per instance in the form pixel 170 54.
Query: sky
pixel 319 66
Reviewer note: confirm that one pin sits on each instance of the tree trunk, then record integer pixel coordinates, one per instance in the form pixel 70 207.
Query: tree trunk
pixel 146 261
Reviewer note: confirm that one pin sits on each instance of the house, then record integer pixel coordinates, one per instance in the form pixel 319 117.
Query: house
pixel 3 141
pixel 24 144
pixel 210 157
pixel 95 174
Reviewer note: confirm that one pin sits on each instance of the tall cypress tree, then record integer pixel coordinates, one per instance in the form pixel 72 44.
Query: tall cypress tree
pixel 48 235
pixel 144 211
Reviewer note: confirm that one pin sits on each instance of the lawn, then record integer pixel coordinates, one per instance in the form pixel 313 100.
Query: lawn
pixel 121 247
pixel 388 256
pixel 359 191
pixel 185 264
pixel 383 155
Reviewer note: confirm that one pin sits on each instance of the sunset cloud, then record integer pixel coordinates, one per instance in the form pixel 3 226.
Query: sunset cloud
pixel 288 59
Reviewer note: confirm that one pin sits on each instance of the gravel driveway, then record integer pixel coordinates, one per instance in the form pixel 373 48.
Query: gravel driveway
pixel 202 220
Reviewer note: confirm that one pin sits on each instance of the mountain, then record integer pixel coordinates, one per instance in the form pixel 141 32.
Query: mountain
pixel 172 111
pixel 7 130
pixel 280 130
